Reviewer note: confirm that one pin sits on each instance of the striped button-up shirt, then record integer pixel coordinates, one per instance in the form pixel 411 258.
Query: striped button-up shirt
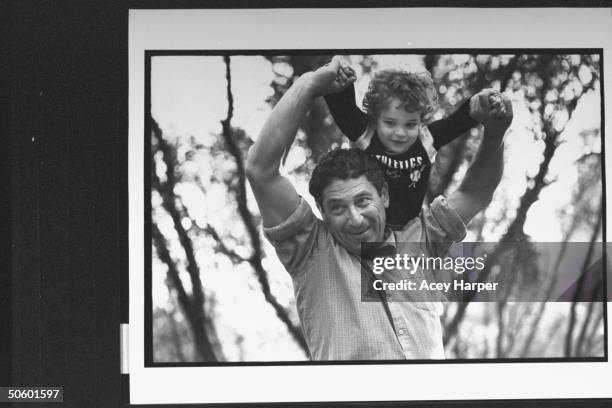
pixel 337 323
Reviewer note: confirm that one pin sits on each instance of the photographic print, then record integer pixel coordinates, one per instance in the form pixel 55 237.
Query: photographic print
pixel 406 200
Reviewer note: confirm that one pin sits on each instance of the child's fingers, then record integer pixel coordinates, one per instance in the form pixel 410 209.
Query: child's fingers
pixel 342 76
pixel 503 111
pixel 344 67
pixel 351 77
pixel 497 108
pixel 495 99
pixel 497 105
pixel 348 71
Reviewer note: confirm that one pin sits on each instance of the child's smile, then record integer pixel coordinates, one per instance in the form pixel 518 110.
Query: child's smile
pixel 397 128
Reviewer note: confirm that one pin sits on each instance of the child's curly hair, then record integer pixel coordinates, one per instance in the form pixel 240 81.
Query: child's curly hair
pixel 415 90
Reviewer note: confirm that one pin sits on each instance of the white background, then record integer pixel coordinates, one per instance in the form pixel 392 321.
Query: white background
pixel 290 29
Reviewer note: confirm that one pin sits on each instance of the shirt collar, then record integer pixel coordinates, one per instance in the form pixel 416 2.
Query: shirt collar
pixel 388 248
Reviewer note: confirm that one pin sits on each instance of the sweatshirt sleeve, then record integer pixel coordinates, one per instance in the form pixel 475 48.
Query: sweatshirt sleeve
pixel 351 120
pixel 454 125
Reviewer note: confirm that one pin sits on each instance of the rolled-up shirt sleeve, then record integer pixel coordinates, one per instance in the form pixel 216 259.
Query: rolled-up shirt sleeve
pixel 442 226
pixel 295 238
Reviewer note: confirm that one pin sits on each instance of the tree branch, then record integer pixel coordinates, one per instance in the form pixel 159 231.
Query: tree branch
pixel 515 232
pixel 585 324
pixel 166 190
pixel 176 338
pixel 590 338
pixel 221 247
pixel 241 197
pixel 579 284
pixel 203 347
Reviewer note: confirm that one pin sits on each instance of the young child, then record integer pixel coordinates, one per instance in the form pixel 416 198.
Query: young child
pixel 394 130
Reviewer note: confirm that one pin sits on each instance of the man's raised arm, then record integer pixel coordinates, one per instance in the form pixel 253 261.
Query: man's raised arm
pixel 483 175
pixel 275 195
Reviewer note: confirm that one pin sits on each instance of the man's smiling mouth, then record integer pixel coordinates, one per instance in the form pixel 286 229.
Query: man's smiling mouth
pixel 360 232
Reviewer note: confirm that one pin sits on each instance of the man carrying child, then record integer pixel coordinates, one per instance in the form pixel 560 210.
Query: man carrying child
pixel 323 257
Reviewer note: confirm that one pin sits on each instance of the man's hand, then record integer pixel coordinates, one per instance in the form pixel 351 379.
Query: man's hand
pixel 332 77
pixel 490 105
pixel 500 115
pixel 498 108
pixel 346 74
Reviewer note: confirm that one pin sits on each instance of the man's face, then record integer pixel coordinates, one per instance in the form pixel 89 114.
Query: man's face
pixel 397 129
pixel 354 212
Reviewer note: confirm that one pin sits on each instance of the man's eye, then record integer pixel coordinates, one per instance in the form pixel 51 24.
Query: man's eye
pixel 363 201
pixel 336 209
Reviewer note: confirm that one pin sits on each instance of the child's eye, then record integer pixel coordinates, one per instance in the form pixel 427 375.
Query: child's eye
pixel 411 125
pixel 388 122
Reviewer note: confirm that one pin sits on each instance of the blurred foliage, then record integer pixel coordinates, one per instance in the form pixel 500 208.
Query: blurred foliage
pixel 546 90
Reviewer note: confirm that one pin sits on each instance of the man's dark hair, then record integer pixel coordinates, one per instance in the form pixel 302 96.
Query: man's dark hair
pixel 344 164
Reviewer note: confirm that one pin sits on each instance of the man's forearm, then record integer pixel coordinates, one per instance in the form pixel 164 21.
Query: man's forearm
pixel 280 129
pixel 485 172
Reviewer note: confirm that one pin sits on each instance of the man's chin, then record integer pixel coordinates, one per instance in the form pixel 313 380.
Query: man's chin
pixel 369 238
pixel 365 237
pixel 354 247
pixel 354 241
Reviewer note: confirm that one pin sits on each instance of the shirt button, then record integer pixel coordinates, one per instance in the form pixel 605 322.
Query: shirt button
pixel 401 331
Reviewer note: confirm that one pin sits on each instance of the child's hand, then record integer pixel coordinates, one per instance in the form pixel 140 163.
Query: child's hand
pixel 497 108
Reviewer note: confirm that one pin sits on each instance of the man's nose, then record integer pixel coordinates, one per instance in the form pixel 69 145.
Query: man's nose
pixel 356 219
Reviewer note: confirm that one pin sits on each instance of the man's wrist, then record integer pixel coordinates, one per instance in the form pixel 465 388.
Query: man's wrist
pixel 308 83
pixel 474 109
pixel 494 133
pixel 465 111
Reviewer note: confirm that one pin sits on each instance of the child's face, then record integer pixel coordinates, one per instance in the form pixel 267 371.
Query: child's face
pixel 396 128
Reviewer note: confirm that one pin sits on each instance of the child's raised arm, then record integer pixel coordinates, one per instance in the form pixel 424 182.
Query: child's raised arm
pixel 342 105
pixel 468 115
pixel 454 125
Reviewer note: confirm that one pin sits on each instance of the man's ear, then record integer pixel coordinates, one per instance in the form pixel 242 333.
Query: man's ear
pixel 384 194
